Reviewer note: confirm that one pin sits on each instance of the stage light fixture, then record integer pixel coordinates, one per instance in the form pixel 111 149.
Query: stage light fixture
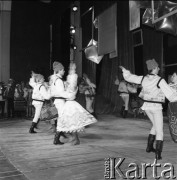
pixel 73 46
pixel 90 8
pixel 72 29
pixel 75 8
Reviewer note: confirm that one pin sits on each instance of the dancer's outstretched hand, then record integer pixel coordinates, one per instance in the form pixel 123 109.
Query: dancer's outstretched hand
pixel 121 67
pixel 32 73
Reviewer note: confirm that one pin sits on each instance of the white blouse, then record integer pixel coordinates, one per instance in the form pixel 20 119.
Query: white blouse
pixel 149 84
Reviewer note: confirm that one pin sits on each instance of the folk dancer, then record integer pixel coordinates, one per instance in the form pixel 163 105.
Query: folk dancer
pixel 74 117
pixel 39 94
pixel 124 94
pixel 172 108
pixel 90 93
pixel 154 91
pixel 60 95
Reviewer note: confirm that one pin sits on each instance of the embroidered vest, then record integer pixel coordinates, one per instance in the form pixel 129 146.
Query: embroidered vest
pixel 153 93
pixel 36 93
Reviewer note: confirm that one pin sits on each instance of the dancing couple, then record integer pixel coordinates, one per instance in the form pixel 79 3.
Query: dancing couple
pixel 72 117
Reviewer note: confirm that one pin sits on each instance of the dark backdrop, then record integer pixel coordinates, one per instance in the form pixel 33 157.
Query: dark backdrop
pixel 30 37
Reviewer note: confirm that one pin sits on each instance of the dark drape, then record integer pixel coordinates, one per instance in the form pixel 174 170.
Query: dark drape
pixel 152 46
pixel 30 39
pixel 89 67
pixel 110 67
pixel 104 73
pixel 65 40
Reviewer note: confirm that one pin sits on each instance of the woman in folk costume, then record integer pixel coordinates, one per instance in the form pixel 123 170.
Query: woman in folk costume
pixel 74 117
pixel 80 97
pixel 172 109
pixel 59 94
pixel 39 94
pixel 154 91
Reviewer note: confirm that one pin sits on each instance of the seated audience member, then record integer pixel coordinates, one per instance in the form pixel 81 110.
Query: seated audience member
pixel 28 98
pixel 9 95
pixel 2 99
pixel 18 95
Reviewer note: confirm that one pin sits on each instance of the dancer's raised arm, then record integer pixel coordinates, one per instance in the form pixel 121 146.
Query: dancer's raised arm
pixel 128 76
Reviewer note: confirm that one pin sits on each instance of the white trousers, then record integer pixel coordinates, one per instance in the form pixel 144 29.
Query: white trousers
pixel 38 108
pixel 59 107
pixel 156 117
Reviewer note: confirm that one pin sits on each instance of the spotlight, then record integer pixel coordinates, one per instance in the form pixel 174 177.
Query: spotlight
pixel 73 46
pixel 90 8
pixel 72 29
pixel 75 8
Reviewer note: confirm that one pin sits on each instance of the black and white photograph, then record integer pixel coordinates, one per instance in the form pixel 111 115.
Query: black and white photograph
pixel 88 89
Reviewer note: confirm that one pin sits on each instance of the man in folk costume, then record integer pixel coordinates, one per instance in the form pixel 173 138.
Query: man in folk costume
pixel 124 94
pixel 90 93
pixel 59 94
pixel 154 91
pixel 39 94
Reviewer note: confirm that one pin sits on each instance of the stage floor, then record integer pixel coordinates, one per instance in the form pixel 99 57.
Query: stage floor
pixel 34 157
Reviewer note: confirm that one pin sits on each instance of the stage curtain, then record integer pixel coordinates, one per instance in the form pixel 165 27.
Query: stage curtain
pixel 107 30
pixel 5 21
pixel 109 100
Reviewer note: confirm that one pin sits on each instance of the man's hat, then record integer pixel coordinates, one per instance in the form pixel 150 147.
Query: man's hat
pixel 151 64
pixel 57 66
pixel 38 77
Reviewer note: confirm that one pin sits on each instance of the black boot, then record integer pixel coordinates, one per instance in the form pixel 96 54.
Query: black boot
pixel 75 140
pixel 63 134
pixel 125 113
pixel 159 146
pixel 57 139
pixel 151 139
pixel 32 128
pixel 122 111
pixel 36 125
